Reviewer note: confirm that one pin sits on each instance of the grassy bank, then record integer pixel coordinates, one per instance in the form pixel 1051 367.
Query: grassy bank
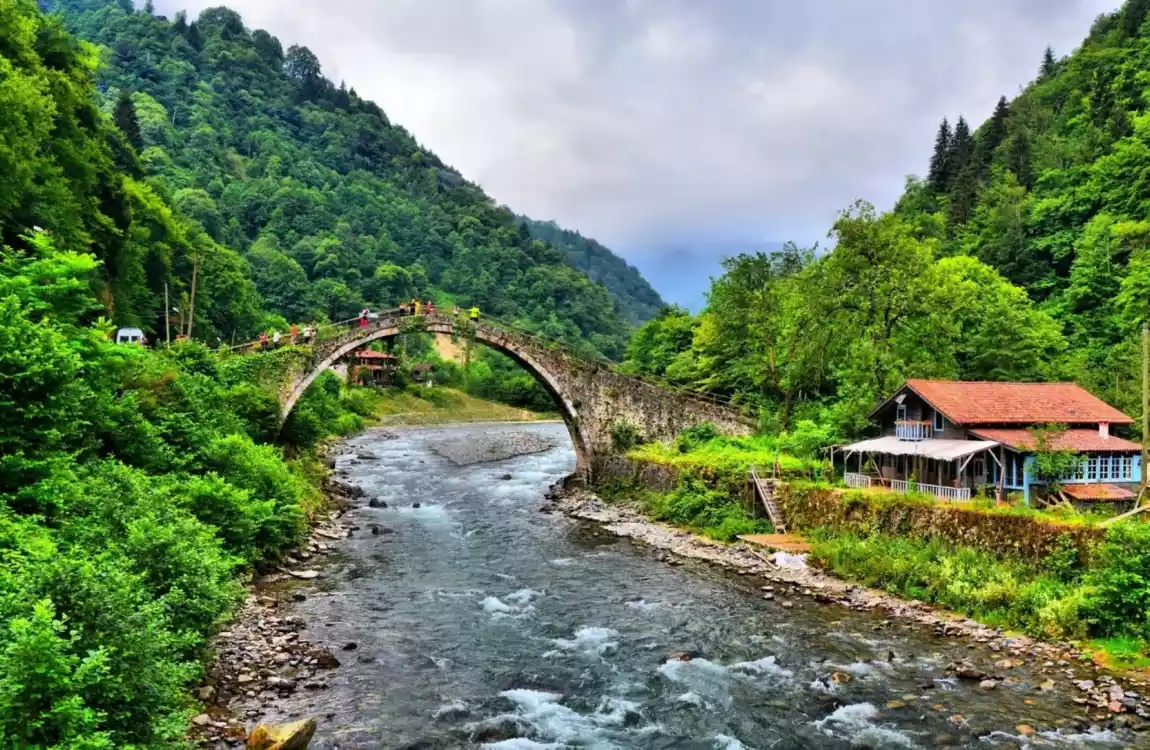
pixel 705 451
pixel 1055 578
pixel 418 405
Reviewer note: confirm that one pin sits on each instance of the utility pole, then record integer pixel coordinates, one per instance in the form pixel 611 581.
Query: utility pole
pixel 167 317
pixel 192 302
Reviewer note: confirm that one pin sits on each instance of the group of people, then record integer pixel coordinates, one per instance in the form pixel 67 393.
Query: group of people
pixel 275 338
pixel 417 307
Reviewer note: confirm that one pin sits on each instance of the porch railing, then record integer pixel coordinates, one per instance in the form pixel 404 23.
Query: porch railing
pixel 938 490
pixel 862 481
pixel 913 430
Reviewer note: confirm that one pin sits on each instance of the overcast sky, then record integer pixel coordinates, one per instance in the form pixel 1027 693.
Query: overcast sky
pixel 674 130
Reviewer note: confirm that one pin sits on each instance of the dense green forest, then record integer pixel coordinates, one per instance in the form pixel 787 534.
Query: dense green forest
pixel 1021 255
pixel 301 199
pixel 635 297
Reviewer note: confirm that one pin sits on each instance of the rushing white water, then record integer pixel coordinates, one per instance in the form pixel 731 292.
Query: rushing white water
pixel 482 622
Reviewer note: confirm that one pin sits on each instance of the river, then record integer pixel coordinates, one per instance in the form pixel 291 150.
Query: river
pixel 481 620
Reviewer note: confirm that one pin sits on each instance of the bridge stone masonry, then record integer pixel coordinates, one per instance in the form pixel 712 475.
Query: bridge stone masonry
pixel 592 397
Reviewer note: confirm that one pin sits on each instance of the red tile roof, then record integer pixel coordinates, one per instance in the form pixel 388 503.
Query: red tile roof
pixel 971 403
pixel 1083 441
pixel 367 354
pixel 1097 492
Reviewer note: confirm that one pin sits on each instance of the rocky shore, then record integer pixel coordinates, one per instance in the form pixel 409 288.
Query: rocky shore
pixel 1107 701
pixel 492 446
pixel 260 656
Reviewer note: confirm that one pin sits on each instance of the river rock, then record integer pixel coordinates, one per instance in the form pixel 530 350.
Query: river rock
pixel 294 736
pixel 350 646
pixel 415 505
pixel 988 684
pixel 367 456
pixel 202 720
pixel 324 659
pixel 298 597
pixel 377 503
pixel 506 477
pixel 306 575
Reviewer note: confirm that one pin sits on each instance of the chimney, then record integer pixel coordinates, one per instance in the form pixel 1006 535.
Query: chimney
pixel 1104 430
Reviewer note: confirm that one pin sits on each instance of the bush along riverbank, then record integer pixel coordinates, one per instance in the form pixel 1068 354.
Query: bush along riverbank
pixel 961 571
pixel 141 488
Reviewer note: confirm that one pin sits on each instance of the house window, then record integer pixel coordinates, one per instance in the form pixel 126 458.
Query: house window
pixel 939 421
pixel 1104 468
pixel 900 413
pixel 979 467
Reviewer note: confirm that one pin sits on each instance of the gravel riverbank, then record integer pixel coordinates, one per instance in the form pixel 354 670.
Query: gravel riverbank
pixel 1109 700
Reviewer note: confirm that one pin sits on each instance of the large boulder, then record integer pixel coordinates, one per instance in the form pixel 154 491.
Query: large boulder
pixel 294 736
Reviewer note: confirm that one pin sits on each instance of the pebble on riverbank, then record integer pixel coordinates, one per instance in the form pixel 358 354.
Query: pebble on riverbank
pixel 1058 661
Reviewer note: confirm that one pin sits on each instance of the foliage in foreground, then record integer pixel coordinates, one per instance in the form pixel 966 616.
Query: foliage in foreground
pixel 703 448
pixel 137 489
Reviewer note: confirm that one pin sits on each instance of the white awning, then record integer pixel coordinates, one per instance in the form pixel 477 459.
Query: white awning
pixel 943 450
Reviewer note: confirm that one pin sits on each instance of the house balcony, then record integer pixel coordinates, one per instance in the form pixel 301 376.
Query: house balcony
pixel 862 481
pixel 913 430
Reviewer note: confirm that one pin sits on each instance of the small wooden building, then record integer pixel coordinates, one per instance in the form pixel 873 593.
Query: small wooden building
pixel 368 367
pixel 953 438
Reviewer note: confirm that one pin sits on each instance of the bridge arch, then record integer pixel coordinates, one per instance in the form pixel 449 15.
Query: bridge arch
pixel 329 353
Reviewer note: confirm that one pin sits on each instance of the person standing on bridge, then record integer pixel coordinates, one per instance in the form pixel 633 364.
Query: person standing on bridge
pixel 473 313
pixel 294 333
pixel 430 308
pixel 363 317
pixel 418 307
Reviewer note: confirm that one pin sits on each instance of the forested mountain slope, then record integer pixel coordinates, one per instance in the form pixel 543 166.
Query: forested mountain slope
pixel 637 300
pixel 1024 254
pixel 331 204
pixel 1052 191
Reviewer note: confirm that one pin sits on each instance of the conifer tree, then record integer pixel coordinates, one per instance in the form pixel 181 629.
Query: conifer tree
pixel 963 194
pixel 959 153
pixel 181 23
pixel 194 37
pixel 1019 159
pixel 1049 64
pixel 992 136
pixel 126 121
pixel 938 160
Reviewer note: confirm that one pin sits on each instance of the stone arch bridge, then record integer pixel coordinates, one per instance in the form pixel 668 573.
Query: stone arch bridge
pixel 592 397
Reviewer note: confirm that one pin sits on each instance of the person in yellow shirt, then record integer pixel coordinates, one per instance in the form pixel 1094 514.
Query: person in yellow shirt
pixel 473 313
pixel 418 307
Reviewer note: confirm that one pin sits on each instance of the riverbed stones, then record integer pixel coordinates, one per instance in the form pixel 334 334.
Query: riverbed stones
pixel 494 446
pixel 305 575
pixel 375 502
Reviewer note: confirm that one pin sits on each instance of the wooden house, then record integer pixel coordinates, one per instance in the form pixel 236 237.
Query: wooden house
pixel 953 439
pixel 372 368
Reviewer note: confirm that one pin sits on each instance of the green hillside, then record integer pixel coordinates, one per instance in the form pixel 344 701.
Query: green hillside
pixel 1052 191
pixel 331 205
pixel 1023 254
pixel 636 299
